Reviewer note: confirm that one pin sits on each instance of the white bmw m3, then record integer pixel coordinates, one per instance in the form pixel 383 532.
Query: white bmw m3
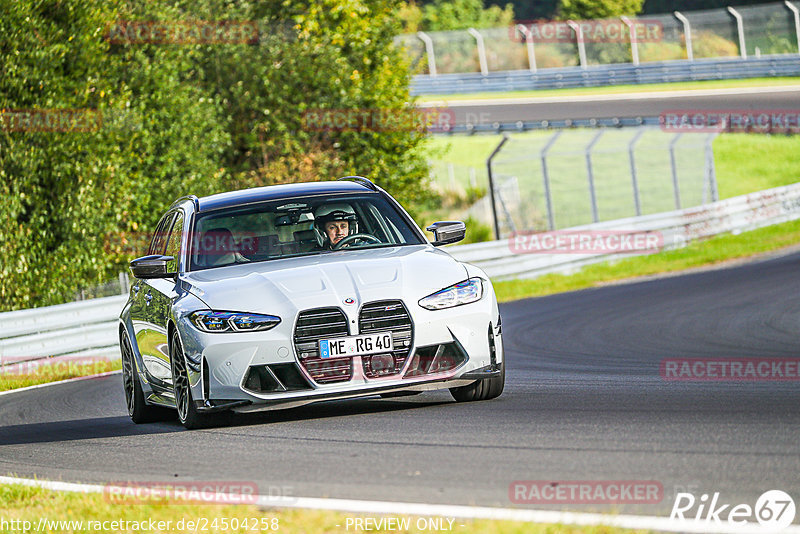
pixel 285 295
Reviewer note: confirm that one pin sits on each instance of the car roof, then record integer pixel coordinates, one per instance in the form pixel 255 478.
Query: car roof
pixel 278 192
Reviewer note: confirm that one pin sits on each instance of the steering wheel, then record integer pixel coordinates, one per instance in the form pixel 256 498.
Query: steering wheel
pixel 349 239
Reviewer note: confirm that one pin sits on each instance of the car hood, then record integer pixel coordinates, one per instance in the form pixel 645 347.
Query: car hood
pixel 344 279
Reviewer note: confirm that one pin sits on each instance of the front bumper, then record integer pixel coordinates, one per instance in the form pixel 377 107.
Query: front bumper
pixel 286 401
pixel 219 364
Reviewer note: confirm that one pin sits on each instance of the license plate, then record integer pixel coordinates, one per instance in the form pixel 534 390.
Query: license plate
pixel 355 345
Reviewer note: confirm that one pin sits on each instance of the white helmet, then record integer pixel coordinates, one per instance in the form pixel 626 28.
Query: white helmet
pixel 335 212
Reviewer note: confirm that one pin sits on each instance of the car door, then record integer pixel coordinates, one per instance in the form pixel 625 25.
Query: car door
pixel 150 341
pixel 161 293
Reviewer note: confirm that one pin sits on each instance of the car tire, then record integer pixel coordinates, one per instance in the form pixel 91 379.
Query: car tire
pixel 138 409
pixel 188 415
pixel 487 388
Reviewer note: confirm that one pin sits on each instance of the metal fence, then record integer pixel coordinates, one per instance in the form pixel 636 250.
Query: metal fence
pixel 602 75
pixel 555 180
pixel 677 228
pixel 748 31
pixel 86 329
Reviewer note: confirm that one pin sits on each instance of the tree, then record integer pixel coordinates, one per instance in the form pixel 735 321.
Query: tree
pixel 182 118
pixel 443 15
pixel 69 192
pixel 597 9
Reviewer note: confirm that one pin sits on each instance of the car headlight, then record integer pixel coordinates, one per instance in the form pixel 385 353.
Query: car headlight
pixel 461 293
pixel 219 321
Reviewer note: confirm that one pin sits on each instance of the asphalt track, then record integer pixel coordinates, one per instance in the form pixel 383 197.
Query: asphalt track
pixel 608 106
pixel 584 401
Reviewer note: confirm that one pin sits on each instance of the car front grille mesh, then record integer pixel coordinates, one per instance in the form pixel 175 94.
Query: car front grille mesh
pixel 387 316
pixel 313 325
pixel 326 323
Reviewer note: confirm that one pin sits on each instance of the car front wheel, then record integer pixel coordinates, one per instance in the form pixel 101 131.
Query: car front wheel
pixel 187 410
pixel 487 388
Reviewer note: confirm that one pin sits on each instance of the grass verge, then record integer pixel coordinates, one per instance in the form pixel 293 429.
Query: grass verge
pixel 709 252
pixel 53 373
pixel 87 511
pixel 617 89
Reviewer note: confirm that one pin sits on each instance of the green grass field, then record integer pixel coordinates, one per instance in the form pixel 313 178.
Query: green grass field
pixel 54 373
pixel 617 89
pixel 95 512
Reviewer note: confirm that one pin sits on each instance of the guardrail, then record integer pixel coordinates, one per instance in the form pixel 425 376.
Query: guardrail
pixel 79 329
pixel 550 124
pixel 604 75
pixel 677 229
pixel 89 328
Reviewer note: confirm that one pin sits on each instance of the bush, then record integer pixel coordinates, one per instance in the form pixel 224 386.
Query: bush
pixel 180 119
pixel 477 232
pixel 66 191
pixel 445 15
pixel 709 44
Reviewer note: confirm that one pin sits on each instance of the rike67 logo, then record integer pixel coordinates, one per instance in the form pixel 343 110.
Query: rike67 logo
pixel 774 510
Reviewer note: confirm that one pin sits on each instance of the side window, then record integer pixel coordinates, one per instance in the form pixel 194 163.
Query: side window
pixel 174 243
pixel 160 237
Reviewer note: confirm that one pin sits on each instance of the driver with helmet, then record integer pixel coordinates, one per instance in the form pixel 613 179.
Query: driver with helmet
pixel 334 222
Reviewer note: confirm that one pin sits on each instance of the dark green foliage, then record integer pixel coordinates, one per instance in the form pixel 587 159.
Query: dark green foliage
pixel 597 9
pixel 179 119
pixel 444 15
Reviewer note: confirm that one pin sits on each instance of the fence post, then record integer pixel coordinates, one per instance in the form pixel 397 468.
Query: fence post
pixel 635 182
pixel 712 175
pixel 581 45
pixel 796 13
pixel 590 173
pixel 529 44
pixel 124 283
pixel 425 38
pixel 491 186
pixel 481 50
pixel 674 166
pixel 546 177
pixel 740 31
pixel 687 34
pixel 632 36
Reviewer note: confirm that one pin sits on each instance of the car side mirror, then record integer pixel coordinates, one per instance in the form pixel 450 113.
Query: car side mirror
pixel 446 232
pixel 153 266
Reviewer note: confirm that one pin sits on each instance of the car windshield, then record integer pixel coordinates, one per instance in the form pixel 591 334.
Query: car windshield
pixel 297 227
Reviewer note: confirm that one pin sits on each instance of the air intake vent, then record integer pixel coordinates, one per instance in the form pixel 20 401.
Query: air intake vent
pixel 313 325
pixel 436 359
pixel 275 378
pixel 386 316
